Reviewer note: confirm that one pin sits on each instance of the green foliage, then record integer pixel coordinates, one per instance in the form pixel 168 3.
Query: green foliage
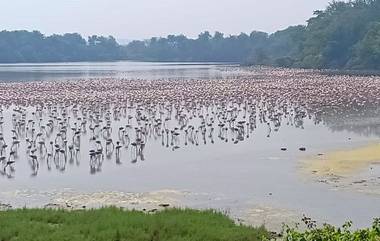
pixel 218 48
pixel 338 36
pixel 346 35
pixel 24 46
pixel 116 224
pixel 367 51
pixel 343 36
pixel 331 233
pixel 170 225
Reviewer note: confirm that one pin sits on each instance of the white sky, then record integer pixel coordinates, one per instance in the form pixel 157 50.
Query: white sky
pixel 141 19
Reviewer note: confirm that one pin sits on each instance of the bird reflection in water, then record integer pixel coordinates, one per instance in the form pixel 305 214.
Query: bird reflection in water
pixel 117 119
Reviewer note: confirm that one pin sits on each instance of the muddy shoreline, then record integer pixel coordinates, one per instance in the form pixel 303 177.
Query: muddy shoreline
pixel 151 202
pixel 350 169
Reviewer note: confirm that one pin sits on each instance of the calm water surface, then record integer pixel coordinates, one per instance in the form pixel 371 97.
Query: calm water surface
pixel 254 171
pixel 144 70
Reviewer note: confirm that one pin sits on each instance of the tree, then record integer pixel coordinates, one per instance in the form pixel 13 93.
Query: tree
pixel 367 51
pixel 24 46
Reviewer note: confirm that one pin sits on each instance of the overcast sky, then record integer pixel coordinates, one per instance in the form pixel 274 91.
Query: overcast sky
pixel 140 19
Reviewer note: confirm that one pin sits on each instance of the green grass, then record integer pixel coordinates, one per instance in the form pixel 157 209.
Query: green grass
pixel 113 224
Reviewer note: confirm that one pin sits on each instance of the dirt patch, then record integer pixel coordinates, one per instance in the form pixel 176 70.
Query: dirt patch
pixel 271 217
pixel 356 169
pixel 344 163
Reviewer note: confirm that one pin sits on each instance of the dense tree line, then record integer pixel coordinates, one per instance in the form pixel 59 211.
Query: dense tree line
pixel 205 48
pixel 24 46
pixel 346 35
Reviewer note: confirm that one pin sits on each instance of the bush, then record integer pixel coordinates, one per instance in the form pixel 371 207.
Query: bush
pixel 330 233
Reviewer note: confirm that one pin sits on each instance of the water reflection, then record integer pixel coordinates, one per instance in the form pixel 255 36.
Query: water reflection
pixel 57 134
pixel 145 70
pixel 60 124
pixel 364 122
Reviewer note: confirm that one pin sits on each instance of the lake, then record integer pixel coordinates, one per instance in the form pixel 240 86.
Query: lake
pixel 59 71
pixel 213 135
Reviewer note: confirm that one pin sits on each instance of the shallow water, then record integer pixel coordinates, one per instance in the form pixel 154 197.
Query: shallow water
pixel 132 70
pixel 254 171
pixel 237 177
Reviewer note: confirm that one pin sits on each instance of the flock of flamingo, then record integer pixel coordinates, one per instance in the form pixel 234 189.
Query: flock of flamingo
pixel 49 121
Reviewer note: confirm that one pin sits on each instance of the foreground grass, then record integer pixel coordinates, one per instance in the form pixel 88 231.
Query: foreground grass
pixel 113 224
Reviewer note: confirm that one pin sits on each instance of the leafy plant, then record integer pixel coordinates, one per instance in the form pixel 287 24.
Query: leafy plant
pixel 330 233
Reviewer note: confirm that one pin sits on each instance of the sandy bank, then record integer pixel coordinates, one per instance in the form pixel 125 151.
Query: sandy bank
pixel 344 163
